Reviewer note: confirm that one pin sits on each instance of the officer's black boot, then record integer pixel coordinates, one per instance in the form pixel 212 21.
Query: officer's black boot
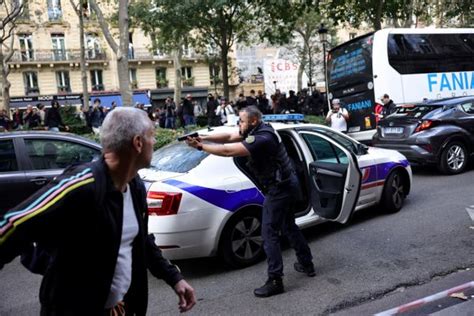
pixel 309 269
pixel 273 286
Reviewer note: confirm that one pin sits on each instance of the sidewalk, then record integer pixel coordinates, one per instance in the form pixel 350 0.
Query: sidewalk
pixel 432 298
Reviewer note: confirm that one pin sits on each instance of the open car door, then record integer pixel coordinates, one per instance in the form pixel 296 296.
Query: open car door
pixel 335 177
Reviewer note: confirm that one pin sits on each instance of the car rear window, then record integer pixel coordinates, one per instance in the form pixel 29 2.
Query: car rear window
pixel 417 111
pixel 176 157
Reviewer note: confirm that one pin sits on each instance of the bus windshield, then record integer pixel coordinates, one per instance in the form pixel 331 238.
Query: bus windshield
pixel 350 63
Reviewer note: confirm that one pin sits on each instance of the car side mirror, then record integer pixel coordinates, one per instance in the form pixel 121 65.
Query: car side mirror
pixel 363 149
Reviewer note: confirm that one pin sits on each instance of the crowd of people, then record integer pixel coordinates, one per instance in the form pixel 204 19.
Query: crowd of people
pixel 34 117
pixel 219 110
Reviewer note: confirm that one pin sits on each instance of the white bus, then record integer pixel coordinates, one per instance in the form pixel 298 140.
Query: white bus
pixel 407 64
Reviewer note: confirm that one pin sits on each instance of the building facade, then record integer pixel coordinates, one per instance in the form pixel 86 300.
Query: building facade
pixel 46 60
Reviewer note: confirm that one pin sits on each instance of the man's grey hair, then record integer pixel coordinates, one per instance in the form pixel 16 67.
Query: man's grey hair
pixel 336 101
pixel 252 112
pixel 121 125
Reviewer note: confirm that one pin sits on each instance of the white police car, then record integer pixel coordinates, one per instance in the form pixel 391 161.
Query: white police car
pixel 203 205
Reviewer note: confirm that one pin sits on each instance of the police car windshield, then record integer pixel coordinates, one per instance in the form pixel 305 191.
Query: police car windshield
pixel 176 157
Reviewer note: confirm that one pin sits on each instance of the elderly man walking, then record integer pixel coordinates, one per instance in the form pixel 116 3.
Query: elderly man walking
pixel 92 223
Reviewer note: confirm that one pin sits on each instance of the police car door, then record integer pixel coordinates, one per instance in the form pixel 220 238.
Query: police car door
pixel 335 178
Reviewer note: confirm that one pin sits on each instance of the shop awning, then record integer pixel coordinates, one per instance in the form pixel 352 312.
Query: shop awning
pixel 107 99
pixel 63 99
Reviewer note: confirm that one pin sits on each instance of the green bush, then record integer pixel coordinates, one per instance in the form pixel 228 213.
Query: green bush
pixel 315 119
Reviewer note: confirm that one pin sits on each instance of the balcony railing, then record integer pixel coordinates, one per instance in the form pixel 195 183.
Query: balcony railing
pixel 146 54
pixel 56 55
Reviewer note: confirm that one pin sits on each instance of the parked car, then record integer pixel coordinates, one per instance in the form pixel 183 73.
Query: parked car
pixel 438 132
pixel 30 159
pixel 204 205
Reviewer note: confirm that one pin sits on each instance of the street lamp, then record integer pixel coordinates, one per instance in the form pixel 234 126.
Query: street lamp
pixel 275 83
pixel 323 37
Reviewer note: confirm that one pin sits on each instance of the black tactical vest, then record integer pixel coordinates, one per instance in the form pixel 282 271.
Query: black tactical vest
pixel 274 168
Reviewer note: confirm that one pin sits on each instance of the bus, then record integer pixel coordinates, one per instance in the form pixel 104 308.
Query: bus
pixel 410 65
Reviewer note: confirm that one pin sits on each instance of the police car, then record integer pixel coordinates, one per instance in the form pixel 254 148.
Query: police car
pixel 204 205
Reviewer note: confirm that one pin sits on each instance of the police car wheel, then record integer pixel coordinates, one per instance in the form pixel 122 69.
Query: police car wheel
pixel 241 243
pixel 453 159
pixel 393 194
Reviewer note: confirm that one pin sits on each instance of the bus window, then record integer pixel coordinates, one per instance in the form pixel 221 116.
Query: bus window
pixel 431 53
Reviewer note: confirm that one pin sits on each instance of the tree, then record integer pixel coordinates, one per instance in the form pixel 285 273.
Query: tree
pixel 222 23
pixel 305 46
pixel 79 9
pixel 10 12
pixel 219 24
pixel 120 49
pixel 166 22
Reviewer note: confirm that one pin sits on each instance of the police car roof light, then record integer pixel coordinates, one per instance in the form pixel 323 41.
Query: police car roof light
pixel 294 117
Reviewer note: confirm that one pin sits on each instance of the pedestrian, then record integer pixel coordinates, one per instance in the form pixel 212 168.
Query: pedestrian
pixel 211 107
pixel 53 119
pixel 97 263
pixel 389 106
pixel 338 117
pixel 263 104
pixel 41 113
pixel 252 99
pixel 170 116
pixel 95 116
pixel 17 119
pixel 4 121
pixel 188 110
pixel 241 102
pixel 224 111
pixel 268 161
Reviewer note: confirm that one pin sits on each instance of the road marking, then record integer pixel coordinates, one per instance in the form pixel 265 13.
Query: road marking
pixel 470 211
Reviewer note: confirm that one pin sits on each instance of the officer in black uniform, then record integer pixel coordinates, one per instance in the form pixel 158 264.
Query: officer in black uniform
pixel 270 164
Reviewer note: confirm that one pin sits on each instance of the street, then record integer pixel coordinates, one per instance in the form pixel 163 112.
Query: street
pixel 375 254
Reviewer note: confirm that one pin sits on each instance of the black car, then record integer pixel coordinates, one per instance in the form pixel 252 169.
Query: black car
pixel 439 132
pixel 30 159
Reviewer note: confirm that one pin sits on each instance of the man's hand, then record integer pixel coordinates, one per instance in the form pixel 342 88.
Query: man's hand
pixel 186 296
pixel 194 142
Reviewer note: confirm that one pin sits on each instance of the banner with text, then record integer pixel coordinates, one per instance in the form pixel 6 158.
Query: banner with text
pixel 281 74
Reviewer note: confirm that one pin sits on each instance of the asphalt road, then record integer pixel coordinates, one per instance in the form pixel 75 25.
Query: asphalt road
pixel 431 238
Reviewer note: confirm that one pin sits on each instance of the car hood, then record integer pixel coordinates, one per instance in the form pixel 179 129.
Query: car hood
pixel 377 152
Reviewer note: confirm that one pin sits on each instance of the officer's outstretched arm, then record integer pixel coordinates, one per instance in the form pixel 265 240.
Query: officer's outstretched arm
pixel 222 138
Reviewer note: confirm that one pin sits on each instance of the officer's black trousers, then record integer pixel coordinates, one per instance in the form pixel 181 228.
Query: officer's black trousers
pixel 278 217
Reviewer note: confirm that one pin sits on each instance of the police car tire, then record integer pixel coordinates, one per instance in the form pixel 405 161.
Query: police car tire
pixel 392 199
pixel 225 245
pixel 443 165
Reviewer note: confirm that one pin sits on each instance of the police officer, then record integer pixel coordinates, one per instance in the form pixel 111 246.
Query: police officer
pixel 270 164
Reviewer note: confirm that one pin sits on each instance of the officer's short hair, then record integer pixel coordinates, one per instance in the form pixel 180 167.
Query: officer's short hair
pixel 121 125
pixel 253 112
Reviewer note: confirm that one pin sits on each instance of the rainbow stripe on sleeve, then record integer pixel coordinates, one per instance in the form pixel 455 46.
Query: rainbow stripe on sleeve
pixel 49 198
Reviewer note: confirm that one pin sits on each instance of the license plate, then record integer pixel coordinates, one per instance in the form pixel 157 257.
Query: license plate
pixel 393 130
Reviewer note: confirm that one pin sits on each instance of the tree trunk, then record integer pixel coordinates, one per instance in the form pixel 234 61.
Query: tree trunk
pixel 85 89
pixel 378 15
pixel 177 78
pixel 122 63
pixel 225 72
pixel 5 83
pixel 300 76
pixel 5 72
pixel 120 50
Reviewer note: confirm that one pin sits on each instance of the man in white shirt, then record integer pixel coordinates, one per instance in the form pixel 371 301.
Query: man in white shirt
pixel 338 117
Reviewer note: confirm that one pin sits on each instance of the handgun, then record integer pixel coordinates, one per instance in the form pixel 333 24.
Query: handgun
pixel 185 136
